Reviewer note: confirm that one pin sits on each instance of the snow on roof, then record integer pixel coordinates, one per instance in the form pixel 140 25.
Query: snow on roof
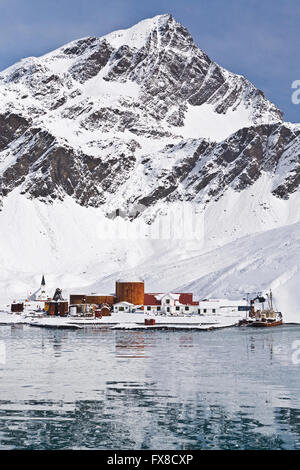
pixel 123 303
pixel 169 294
pixel 223 302
pixel 151 299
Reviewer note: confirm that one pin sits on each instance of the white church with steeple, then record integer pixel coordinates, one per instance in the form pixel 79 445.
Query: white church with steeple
pixel 42 293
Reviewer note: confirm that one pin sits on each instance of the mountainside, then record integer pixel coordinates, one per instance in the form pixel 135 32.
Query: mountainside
pixel 133 124
pixel 100 112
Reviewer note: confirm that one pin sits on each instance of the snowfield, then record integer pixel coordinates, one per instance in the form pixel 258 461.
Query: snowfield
pixel 253 249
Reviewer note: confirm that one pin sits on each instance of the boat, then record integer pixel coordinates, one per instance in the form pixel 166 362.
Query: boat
pixel 263 317
pixel 266 323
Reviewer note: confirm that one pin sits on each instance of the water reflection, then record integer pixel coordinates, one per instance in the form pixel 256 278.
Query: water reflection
pixel 141 422
pixel 130 344
pixel 265 343
pixel 186 341
pixel 229 389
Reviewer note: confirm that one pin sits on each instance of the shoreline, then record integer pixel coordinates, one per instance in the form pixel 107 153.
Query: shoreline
pixel 123 321
pixel 126 322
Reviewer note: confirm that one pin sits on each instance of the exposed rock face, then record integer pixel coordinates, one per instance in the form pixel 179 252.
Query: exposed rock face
pixel 123 119
pixel 11 127
pixel 91 65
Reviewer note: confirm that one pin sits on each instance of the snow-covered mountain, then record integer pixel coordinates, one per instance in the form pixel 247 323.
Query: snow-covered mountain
pixel 135 123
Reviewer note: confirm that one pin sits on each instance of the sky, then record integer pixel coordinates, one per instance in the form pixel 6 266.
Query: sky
pixel 255 38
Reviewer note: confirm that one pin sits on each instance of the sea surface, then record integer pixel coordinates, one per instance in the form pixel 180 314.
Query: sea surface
pixel 236 388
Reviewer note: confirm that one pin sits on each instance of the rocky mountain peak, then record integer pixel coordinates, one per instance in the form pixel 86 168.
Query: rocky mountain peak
pixel 137 114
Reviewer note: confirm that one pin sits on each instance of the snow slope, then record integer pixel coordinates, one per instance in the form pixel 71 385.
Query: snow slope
pixel 141 120
pixel 254 249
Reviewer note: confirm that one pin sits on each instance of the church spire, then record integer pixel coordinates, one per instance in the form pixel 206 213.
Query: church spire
pixel 42 294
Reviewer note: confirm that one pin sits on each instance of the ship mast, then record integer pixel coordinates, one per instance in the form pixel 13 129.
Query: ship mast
pixel 271 301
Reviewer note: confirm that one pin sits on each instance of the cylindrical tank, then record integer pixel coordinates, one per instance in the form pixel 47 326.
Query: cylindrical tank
pixel 58 308
pixel 73 311
pixel 52 308
pixel 132 292
pixel 63 308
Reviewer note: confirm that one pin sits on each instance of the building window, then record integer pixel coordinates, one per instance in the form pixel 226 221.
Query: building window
pixel 186 308
pixel 148 308
pixel 213 310
pixel 177 308
pixel 121 309
pixel 168 309
pixel 167 301
pixel 158 309
pixel 204 310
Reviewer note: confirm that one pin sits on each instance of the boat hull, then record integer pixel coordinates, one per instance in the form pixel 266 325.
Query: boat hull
pixel 260 324
pixel 264 324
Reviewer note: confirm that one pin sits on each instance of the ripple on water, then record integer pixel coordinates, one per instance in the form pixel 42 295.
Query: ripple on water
pixel 228 389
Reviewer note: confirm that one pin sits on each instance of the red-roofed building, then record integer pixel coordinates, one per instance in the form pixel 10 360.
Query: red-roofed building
pixel 171 303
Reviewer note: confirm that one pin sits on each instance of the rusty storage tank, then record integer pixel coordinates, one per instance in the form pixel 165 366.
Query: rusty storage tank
pixel 132 292
pixel 52 308
pixel 63 308
pixel 91 299
pixel 58 308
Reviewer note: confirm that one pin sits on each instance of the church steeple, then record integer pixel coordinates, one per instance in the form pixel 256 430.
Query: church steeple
pixel 42 293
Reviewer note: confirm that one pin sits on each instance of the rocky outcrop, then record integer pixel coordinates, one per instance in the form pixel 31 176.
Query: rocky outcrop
pixel 12 126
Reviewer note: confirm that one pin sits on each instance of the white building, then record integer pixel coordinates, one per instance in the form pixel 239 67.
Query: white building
pixel 221 306
pixel 125 307
pixel 183 303
pixel 170 303
pixel 42 294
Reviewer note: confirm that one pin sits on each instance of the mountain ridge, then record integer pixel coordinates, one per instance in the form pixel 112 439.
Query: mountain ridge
pixel 129 97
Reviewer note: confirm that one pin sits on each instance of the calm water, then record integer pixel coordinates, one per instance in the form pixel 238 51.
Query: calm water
pixel 227 389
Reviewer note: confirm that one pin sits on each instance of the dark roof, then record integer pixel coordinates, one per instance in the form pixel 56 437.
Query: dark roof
pixel 43 280
pixel 150 299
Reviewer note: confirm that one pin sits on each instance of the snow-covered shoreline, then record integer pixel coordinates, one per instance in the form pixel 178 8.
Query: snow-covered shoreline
pixel 123 321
